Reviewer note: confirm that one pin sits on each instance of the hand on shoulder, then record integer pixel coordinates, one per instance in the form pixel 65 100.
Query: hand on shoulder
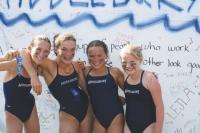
pixel 116 71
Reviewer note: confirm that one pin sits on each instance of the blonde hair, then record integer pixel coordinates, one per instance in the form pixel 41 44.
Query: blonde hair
pixel 60 38
pixel 39 38
pixel 132 50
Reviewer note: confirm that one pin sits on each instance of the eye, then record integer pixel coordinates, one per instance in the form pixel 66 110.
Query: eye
pixel 37 51
pixel 46 52
pixel 132 64
pixel 90 56
pixel 64 49
pixel 100 55
pixel 73 50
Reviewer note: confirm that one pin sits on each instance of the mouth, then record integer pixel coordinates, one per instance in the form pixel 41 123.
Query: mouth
pixel 40 59
pixel 67 59
pixel 96 63
pixel 129 69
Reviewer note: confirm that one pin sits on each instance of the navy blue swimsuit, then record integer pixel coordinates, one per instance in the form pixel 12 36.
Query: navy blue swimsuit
pixel 18 99
pixel 71 98
pixel 103 92
pixel 140 108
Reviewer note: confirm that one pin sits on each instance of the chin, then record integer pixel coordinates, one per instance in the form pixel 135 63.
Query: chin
pixel 39 62
pixel 67 62
pixel 96 66
pixel 127 72
pixel 130 72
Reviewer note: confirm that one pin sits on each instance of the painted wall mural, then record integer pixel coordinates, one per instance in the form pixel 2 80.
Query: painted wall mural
pixel 168 32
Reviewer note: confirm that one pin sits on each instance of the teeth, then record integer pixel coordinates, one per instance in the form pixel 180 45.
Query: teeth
pixel 96 64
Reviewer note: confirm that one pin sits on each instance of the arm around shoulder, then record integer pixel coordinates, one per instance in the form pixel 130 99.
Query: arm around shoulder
pixel 119 76
pixel 27 63
pixel 81 76
pixel 8 65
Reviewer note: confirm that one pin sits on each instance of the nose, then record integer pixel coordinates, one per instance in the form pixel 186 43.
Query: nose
pixel 69 53
pixel 128 65
pixel 42 55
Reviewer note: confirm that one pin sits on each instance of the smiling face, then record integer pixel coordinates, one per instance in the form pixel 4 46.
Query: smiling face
pixel 97 56
pixel 65 47
pixel 66 51
pixel 39 50
pixel 97 53
pixel 130 63
pixel 131 58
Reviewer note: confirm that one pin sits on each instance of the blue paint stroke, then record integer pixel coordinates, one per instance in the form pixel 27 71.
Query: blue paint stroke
pixel 33 3
pixel 143 1
pixel 121 4
pixel 78 4
pixel 166 21
pixel 88 16
pixel 53 5
pixel 175 7
pixel 8 4
pixel 193 1
pixel 97 4
pixel 20 3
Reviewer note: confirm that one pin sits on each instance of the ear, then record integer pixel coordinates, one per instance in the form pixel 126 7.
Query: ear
pixel 106 59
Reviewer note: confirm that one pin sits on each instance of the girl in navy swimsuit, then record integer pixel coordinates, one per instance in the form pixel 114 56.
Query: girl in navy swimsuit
pixel 144 105
pixel 102 85
pixel 64 77
pixel 20 109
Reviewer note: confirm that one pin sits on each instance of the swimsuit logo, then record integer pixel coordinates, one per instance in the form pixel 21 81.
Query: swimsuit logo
pixel 24 85
pixel 132 91
pixel 69 81
pixel 8 106
pixel 96 81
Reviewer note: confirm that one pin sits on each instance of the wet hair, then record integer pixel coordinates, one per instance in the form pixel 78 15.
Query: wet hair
pixel 59 38
pixel 132 50
pixel 97 43
pixel 39 38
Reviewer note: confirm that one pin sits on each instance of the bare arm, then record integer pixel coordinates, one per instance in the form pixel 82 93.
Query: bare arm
pixel 35 82
pixel 118 76
pixel 27 63
pixel 82 82
pixel 120 79
pixel 3 59
pixel 81 64
pixel 155 89
pixel 9 55
pixel 8 65
pixel 11 69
